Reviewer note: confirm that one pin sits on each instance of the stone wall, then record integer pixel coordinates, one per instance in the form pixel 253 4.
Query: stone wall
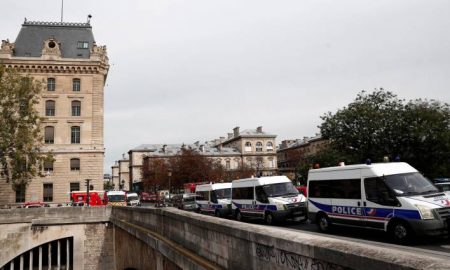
pixel 186 238
pixel 24 229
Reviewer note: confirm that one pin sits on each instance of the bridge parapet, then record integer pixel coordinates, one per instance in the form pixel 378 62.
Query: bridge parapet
pixel 229 244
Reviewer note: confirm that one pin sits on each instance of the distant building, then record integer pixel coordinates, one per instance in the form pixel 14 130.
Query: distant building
pixel 66 57
pixel 124 173
pixel 253 148
pixel 292 154
pixel 115 176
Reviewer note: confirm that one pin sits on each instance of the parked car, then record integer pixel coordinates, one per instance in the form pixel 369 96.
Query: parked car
pixel 133 199
pixel 443 184
pixel 35 205
pixel 184 201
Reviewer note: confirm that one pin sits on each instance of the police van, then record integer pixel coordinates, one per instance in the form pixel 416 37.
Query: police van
pixel 393 197
pixel 272 198
pixel 214 199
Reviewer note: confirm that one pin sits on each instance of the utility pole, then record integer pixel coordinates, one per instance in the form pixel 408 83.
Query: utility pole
pixel 87 189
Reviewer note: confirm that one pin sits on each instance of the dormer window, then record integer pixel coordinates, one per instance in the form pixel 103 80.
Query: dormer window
pixel 83 45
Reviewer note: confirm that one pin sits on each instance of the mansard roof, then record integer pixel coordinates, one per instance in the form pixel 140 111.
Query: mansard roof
pixel 30 41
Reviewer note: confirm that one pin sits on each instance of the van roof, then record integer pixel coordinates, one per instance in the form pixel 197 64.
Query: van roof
pixel 260 181
pixel 207 187
pixel 372 169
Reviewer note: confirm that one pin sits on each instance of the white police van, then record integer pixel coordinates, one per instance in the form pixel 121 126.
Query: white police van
pixel 214 199
pixel 273 198
pixel 393 197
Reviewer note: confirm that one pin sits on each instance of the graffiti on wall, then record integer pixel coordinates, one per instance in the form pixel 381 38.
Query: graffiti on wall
pixel 290 260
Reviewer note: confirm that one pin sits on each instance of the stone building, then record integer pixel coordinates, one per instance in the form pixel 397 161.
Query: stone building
pixel 124 173
pixel 73 68
pixel 292 153
pixel 254 148
pixel 115 175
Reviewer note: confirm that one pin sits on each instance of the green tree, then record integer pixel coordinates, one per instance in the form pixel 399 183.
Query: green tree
pixel 20 135
pixel 379 124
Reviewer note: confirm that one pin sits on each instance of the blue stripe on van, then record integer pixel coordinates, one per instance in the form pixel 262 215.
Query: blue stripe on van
pixel 385 213
pixel 256 207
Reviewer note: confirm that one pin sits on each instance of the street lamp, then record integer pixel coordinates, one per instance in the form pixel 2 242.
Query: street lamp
pixel 169 174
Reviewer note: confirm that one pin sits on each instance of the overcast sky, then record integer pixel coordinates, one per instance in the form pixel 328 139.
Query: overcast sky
pixel 186 71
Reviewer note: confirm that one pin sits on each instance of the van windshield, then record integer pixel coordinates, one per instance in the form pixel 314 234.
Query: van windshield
pixel 410 184
pixel 116 198
pixel 132 198
pixel 223 193
pixel 280 189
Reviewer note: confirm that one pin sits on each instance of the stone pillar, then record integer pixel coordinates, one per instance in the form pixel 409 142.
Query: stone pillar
pixel 67 254
pixel 31 260
pixel 59 256
pixel 49 256
pixel 40 258
pixel 21 262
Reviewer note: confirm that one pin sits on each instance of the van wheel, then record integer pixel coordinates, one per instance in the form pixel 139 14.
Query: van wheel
pixel 400 232
pixel 269 218
pixel 239 216
pixel 217 214
pixel 323 222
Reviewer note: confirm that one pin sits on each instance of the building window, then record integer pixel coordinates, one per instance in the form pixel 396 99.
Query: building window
pixel 248 147
pixel 74 186
pixel 75 135
pixel 48 166
pixel 76 108
pixel 83 45
pixel 20 194
pixel 49 135
pixel 74 164
pixel 76 85
pixel 50 108
pixel 259 147
pixel 51 84
pixel 228 164
pixel 269 146
pixel 48 192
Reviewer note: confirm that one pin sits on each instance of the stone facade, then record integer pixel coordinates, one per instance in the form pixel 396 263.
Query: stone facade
pixel 232 152
pixel 73 69
pixel 115 175
pixel 292 153
pixel 124 174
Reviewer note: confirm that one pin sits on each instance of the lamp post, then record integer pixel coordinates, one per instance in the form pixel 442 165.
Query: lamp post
pixel 169 174
pixel 87 192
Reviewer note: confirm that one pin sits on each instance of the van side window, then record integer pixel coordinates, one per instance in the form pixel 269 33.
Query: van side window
pixel 336 189
pixel 378 192
pixel 243 193
pixel 261 194
pixel 202 195
pixel 213 196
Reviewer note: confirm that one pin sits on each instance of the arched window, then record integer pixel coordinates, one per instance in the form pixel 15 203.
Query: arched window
pixel 51 84
pixel 269 146
pixel 76 108
pixel 259 146
pixel 49 134
pixel 74 164
pixel 248 147
pixel 75 134
pixel 76 85
pixel 50 108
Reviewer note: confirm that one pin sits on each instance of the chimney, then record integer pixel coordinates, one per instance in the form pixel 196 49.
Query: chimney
pixel 220 147
pixel 202 148
pixel 222 139
pixel 259 129
pixel 197 143
pixel 236 131
pixel 123 156
pixel 230 135
pixel 164 148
